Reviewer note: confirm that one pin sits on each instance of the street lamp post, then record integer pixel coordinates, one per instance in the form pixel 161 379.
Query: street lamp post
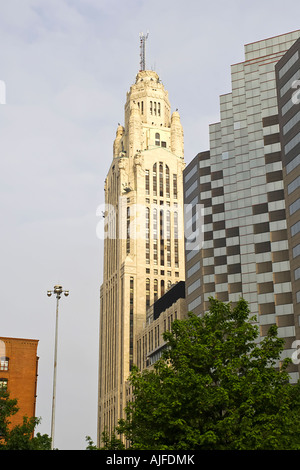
pixel 58 290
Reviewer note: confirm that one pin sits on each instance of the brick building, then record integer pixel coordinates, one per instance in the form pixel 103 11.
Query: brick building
pixel 18 374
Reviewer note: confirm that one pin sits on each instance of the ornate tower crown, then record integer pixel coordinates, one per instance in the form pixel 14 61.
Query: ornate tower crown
pixel 148 121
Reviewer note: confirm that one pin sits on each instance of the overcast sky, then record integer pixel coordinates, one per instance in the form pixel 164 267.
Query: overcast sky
pixel 67 65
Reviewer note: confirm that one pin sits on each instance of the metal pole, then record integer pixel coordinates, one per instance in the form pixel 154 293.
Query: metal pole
pixel 54 375
pixel 58 290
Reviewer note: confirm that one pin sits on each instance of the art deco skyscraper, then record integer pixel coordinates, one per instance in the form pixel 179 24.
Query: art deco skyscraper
pixel 144 242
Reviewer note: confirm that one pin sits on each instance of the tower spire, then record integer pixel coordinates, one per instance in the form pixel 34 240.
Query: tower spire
pixel 143 39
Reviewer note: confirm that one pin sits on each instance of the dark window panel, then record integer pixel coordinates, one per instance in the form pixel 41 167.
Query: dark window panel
pixel 233 250
pixel 206 202
pixel 210 287
pixel 234 268
pixel 235 287
pixel 266 309
pixel 216 175
pixel 284 276
pixel 208 253
pixel 282 299
pixel 204 155
pixel 218 208
pixel 215 192
pixel 285 320
pixel 222 296
pixel 277 215
pixel 270 120
pixel 204 187
pixel 219 242
pixel 221 278
pixel 273 157
pixel 279 235
pixel 278 256
pixel 232 232
pixel 271 139
pixel 274 176
pixel 220 260
pixel 265 267
pixel 208 219
pixel 265 287
pixel 276 195
pixel 204 171
pixel 263 247
pixel 208 270
pixel 220 225
pixel 208 236
pixel 261 228
pixel 260 208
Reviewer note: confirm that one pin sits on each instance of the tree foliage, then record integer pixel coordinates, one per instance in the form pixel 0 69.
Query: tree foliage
pixel 109 442
pixel 216 387
pixel 19 437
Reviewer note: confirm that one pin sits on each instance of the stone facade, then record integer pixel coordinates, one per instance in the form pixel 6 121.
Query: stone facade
pixel 144 239
pixel 149 342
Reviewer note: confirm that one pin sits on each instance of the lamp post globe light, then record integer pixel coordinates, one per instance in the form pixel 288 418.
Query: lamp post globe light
pixel 58 291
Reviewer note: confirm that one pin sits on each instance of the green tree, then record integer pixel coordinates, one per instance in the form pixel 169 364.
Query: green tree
pixel 20 437
pixel 216 387
pixel 109 442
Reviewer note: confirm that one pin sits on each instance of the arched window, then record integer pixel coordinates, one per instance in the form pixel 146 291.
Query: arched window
pixel 175 186
pixel 161 179
pixel 176 251
pixel 155 290
pixel 167 181
pixel 155 179
pixel 168 237
pixel 147 235
pixel 162 241
pixel 155 237
pixel 147 292
pixel 147 182
pixel 128 231
pixel 131 293
pixel 157 139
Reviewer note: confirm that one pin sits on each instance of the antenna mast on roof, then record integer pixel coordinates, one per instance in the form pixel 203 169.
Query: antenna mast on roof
pixel 143 40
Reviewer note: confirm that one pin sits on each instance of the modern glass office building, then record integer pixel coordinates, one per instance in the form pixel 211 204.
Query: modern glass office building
pixel 240 214
pixel 288 84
